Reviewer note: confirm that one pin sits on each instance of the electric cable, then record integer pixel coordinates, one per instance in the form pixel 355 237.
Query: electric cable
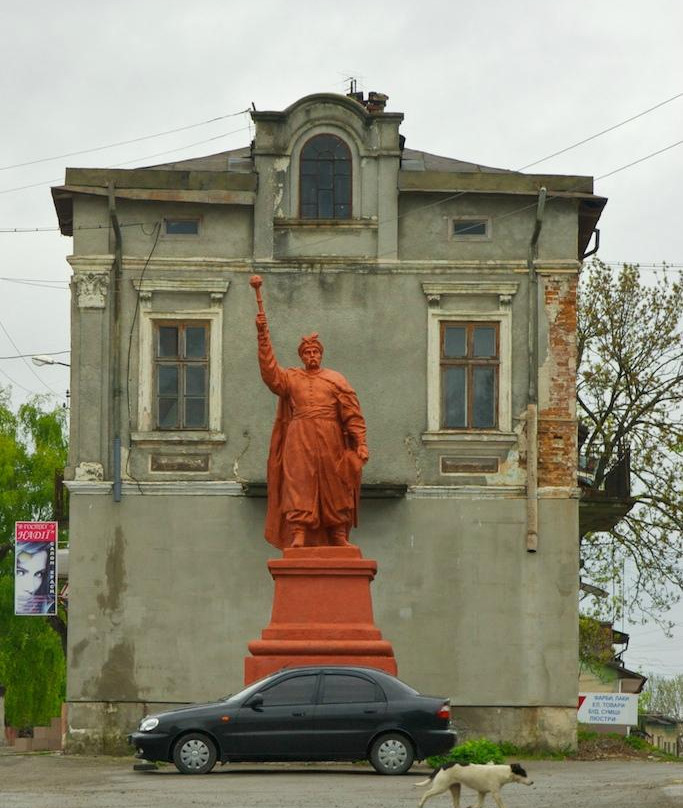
pixel 26 356
pixel 135 160
pixel 14 345
pixel 602 132
pixel 123 142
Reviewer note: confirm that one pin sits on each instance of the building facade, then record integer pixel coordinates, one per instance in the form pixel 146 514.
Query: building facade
pixel 445 292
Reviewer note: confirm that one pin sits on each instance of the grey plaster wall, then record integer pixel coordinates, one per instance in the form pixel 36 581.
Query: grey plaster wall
pixel 171 589
pixel 425 221
pixel 373 326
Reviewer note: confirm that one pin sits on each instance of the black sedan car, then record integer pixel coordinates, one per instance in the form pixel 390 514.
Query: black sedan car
pixel 312 713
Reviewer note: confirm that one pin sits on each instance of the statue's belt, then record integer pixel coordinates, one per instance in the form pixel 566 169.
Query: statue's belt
pixel 322 413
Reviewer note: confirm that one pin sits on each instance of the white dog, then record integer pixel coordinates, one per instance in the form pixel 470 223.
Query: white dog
pixel 484 779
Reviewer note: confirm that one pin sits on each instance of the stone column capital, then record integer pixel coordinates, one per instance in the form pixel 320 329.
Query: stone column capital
pixel 91 287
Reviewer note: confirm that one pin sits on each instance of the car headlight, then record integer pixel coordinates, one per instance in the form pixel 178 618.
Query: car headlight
pixel 148 724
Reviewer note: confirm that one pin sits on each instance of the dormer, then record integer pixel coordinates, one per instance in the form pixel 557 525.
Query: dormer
pixel 328 168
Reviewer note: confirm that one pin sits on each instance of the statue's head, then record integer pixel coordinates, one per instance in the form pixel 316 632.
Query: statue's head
pixel 311 351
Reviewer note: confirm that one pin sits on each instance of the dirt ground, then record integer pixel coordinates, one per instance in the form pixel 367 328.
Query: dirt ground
pixel 59 781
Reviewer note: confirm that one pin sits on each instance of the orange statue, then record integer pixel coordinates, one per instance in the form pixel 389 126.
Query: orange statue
pixel 317 449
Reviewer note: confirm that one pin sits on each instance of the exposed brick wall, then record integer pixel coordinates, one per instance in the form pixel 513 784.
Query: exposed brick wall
pixel 557 442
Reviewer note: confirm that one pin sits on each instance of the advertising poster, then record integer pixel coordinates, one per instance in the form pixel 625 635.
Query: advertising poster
pixel 35 568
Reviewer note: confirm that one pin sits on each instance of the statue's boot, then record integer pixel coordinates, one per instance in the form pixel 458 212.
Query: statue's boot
pixel 298 537
pixel 339 537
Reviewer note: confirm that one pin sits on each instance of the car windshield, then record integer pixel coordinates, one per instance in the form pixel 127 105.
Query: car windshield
pixel 254 687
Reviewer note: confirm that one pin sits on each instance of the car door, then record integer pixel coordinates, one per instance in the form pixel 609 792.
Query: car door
pixel 350 708
pixel 280 726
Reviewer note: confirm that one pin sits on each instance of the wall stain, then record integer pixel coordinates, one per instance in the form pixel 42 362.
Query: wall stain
pixel 115 574
pixel 117 681
pixel 76 652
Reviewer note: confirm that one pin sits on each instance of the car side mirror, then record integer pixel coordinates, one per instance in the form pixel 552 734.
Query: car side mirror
pixel 256 702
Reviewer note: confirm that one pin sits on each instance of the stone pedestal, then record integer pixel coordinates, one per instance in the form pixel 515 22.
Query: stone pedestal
pixel 322 614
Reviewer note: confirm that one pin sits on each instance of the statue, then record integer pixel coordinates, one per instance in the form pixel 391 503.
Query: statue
pixel 317 449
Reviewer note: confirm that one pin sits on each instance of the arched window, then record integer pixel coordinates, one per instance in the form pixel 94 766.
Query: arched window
pixel 325 171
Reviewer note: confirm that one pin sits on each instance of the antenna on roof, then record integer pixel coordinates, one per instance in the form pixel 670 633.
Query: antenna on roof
pixel 352 85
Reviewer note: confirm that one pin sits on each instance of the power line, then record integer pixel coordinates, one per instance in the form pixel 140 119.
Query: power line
pixel 32 280
pixel 17 384
pixel 63 287
pixel 123 142
pixel 603 132
pixel 27 356
pixel 14 345
pixel 640 160
pixel 128 162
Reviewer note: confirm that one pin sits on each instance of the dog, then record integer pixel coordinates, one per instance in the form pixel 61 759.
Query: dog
pixel 484 779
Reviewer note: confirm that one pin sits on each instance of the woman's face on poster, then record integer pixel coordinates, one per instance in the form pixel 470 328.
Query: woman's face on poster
pixel 31 572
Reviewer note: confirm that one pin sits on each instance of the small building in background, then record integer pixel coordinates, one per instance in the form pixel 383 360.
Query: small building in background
pixel 664 732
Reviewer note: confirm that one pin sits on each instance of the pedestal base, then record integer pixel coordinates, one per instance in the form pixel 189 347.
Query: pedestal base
pixel 322 614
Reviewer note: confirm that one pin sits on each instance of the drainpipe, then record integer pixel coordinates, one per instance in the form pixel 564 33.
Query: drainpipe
pixel 532 398
pixel 116 357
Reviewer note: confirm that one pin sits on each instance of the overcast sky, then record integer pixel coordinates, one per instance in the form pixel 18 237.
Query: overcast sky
pixel 498 82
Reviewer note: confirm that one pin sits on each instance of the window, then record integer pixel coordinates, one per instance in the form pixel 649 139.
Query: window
pixel 471 228
pixel 469 375
pixel 181 375
pixel 341 689
pixel 181 227
pixel 297 690
pixel 325 176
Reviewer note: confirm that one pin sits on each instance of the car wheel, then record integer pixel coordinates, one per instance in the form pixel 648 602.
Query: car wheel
pixel 194 754
pixel 392 754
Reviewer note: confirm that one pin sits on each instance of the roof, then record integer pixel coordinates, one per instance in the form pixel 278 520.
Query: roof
pixel 411 160
pixel 229 177
pixel 625 674
pixel 233 160
pixel 659 718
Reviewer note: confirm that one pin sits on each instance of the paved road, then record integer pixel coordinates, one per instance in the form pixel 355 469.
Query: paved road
pixel 56 781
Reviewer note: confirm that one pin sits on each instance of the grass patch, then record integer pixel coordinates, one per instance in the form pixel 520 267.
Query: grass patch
pixel 591 746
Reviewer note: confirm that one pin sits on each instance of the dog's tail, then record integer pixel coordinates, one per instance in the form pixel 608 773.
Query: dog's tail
pixel 429 779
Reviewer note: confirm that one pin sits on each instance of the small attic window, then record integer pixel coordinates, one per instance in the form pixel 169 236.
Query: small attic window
pixel 471 228
pixel 181 227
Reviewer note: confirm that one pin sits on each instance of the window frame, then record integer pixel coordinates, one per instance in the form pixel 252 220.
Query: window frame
pixel 470 301
pixel 349 159
pixel 453 236
pixel 200 287
pixel 469 362
pixel 176 236
pixel 182 362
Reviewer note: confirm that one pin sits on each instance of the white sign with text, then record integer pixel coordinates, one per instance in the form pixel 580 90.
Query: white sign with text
pixel 608 708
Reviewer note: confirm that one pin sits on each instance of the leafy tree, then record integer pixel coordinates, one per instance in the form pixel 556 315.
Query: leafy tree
pixel 33 446
pixel 595 643
pixel 630 395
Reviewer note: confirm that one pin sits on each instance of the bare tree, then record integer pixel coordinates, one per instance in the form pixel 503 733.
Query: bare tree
pixel 630 393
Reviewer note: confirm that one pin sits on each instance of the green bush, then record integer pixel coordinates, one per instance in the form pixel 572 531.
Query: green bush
pixel 476 751
pixel 636 742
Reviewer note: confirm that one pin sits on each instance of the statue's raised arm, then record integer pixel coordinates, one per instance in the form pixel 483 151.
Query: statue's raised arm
pixel 318 446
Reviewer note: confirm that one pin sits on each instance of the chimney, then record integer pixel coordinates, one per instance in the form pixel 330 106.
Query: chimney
pixel 376 102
